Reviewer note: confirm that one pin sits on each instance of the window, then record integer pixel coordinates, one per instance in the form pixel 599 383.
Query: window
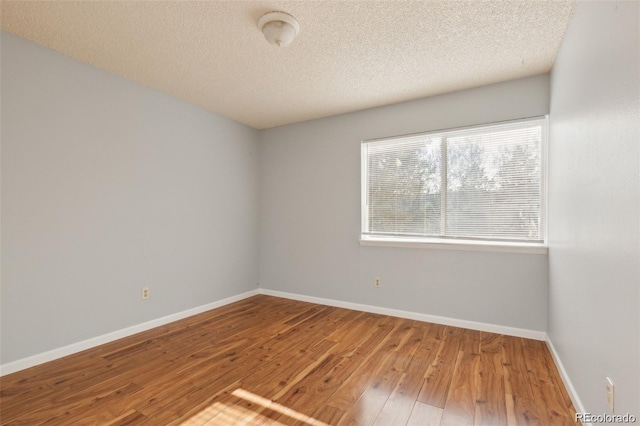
pixel 477 185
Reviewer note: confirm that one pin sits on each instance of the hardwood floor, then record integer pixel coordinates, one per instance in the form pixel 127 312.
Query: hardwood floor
pixel 266 360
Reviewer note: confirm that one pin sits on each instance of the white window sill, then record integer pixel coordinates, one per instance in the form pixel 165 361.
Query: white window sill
pixel 465 245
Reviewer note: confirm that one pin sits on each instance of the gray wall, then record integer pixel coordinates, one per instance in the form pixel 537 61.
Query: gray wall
pixel 108 186
pixel 310 216
pixel 594 241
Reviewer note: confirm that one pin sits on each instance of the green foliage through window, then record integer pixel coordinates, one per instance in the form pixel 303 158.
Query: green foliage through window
pixel 481 183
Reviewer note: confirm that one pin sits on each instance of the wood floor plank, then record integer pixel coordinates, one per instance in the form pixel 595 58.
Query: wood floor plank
pixel 491 406
pixel 550 403
pixel 271 384
pixel 510 408
pixel 279 375
pixel 435 387
pixel 350 391
pixel 555 379
pixel 187 409
pixel 401 402
pixel 328 414
pixel 75 410
pixel 220 373
pixel 517 384
pixel 372 400
pixel 267 360
pixel 471 341
pixel 425 415
pixel 130 418
pixel 320 384
pixel 459 408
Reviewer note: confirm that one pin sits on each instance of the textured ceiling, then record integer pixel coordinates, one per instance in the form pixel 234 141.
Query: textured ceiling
pixel 349 55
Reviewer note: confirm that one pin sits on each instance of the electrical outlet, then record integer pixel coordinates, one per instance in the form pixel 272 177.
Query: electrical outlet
pixel 145 293
pixel 378 282
pixel 610 394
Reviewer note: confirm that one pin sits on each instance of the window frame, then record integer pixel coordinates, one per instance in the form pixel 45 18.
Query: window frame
pixel 465 244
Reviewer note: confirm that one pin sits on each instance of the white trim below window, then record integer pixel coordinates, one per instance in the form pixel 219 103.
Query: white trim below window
pixel 446 244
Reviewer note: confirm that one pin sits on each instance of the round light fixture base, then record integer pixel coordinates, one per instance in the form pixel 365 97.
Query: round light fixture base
pixel 279 28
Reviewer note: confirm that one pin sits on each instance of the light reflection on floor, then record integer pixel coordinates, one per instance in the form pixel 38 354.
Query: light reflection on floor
pixel 220 413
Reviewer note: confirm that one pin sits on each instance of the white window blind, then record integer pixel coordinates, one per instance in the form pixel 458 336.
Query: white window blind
pixel 484 183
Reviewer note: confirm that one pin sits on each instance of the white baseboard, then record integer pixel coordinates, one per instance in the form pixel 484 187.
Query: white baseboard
pixel 34 360
pixel 492 328
pixel 577 403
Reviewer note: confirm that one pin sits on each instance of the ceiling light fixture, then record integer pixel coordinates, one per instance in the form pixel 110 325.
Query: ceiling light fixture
pixel 279 28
